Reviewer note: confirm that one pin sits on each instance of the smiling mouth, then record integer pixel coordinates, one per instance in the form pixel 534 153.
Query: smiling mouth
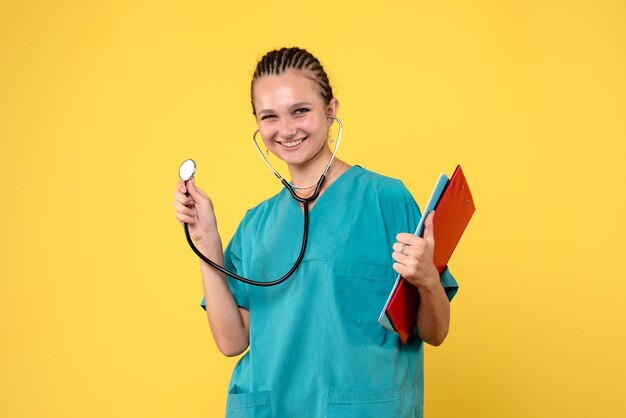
pixel 292 144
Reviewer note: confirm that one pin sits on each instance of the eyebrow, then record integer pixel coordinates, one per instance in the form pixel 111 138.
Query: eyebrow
pixel 293 106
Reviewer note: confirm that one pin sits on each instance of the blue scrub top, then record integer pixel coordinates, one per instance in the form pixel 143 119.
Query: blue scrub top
pixel 316 347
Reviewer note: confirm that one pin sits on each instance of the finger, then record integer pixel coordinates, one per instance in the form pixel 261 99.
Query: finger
pixel 429 231
pixel 181 188
pixel 405 248
pixel 182 198
pixel 401 258
pixel 184 210
pixel 408 239
pixel 185 218
pixel 194 190
pixel 400 269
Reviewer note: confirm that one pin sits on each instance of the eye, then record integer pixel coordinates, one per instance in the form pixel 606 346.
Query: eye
pixel 301 110
pixel 265 117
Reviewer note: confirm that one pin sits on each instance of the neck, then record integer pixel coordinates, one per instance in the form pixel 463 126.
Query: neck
pixel 337 168
pixel 309 172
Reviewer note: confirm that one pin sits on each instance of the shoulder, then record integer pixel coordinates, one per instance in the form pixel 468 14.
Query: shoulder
pixel 253 221
pixel 261 211
pixel 385 201
pixel 383 187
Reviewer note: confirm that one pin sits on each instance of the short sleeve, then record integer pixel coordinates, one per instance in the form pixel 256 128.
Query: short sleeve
pixel 232 263
pixel 406 215
pixel 400 211
pixel 449 283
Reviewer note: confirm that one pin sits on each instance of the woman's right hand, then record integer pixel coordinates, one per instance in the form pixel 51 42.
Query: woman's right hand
pixel 195 210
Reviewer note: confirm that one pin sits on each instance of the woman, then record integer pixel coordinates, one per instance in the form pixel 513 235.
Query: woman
pixel 316 348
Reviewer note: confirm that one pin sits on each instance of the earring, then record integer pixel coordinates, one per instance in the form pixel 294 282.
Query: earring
pixel 267 151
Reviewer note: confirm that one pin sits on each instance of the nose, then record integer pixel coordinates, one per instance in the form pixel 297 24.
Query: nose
pixel 287 128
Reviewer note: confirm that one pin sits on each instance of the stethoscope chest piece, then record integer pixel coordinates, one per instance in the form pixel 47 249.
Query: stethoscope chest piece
pixel 187 170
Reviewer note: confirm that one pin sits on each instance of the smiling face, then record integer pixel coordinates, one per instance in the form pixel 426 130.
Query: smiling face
pixel 293 118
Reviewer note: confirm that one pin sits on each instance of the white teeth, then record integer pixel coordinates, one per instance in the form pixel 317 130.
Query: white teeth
pixel 290 144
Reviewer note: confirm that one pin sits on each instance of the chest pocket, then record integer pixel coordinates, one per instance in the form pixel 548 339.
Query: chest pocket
pixel 365 403
pixel 249 405
pixel 361 291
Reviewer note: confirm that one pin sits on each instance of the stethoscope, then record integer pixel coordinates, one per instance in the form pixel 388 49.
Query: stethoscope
pixel 188 169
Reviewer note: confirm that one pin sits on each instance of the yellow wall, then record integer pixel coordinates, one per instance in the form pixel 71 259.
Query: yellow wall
pixel 100 101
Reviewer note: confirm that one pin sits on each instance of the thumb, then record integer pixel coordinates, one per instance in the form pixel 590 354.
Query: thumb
pixel 429 231
pixel 193 190
pixel 191 187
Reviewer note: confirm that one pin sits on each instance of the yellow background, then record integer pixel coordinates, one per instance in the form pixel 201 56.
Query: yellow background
pixel 100 101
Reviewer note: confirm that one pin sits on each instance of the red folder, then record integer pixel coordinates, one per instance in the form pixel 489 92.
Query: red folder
pixel 452 214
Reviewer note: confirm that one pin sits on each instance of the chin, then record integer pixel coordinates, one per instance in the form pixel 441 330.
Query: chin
pixel 294 161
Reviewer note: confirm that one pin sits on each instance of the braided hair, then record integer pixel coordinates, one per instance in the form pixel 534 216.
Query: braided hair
pixel 279 60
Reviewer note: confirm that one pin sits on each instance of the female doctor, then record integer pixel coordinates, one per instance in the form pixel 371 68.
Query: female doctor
pixel 315 346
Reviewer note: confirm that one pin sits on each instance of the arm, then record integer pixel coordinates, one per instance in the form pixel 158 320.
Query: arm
pixel 229 324
pixel 433 314
pixel 414 261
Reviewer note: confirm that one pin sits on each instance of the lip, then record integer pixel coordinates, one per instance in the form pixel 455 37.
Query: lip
pixel 293 147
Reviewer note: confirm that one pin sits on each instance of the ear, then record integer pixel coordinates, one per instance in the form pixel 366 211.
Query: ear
pixel 331 110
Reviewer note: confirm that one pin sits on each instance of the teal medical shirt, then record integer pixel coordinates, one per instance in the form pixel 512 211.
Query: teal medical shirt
pixel 316 347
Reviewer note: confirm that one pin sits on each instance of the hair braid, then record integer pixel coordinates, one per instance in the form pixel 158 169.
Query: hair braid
pixel 278 61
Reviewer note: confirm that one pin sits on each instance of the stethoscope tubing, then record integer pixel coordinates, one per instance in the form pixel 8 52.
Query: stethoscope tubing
pixel 235 276
pixel 305 234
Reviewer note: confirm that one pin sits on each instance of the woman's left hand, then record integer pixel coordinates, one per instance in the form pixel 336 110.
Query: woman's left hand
pixel 414 256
